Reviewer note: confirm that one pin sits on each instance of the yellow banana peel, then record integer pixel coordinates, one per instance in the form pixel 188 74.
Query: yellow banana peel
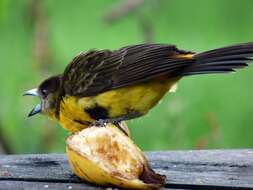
pixel 107 156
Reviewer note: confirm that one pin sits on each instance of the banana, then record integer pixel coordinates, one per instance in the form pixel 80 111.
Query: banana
pixel 107 156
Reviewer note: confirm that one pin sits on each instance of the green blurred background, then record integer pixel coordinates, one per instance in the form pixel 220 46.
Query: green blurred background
pixel 39 37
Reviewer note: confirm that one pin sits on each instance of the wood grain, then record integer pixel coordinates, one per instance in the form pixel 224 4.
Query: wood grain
pixel 204 169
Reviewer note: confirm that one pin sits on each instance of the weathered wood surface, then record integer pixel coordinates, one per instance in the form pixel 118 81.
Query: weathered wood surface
pixel 207 169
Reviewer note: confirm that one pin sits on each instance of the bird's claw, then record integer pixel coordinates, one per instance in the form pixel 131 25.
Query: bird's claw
pixel 100 123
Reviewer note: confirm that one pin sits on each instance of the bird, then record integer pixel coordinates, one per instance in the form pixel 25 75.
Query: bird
pixel 101 86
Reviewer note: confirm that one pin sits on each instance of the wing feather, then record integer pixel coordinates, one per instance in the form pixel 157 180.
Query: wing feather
pixel 97 71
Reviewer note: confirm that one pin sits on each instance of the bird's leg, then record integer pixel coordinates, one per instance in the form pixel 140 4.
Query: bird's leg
pixel 103 122
pixel 120 125
pixel 118 121
pixel 123 127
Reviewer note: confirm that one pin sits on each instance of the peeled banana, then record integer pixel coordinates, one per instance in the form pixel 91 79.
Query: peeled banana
pixel 107 156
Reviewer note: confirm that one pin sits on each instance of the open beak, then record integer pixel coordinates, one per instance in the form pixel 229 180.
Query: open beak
pixel 37 108
pixel 32 92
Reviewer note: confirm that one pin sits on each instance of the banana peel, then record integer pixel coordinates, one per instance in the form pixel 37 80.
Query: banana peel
pixel 107 156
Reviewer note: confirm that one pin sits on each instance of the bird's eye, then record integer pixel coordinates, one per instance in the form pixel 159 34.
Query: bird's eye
pixel 44 93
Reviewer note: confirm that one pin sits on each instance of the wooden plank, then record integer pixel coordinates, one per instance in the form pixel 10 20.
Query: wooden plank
pixel 31 185
pixel 212 169
pixel 28 185
pixel 207 169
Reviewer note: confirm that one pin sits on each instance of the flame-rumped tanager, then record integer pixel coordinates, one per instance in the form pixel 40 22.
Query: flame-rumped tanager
pixel 112 86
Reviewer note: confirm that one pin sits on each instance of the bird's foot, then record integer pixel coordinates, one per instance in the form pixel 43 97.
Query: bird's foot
pixel 120 125
pixel 100 123
pixel 103 122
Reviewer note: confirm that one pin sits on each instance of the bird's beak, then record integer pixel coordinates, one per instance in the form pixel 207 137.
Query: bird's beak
pixel 32 92
pixel 35 110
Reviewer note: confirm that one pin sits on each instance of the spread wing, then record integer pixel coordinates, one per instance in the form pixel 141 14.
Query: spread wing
pixel 97 71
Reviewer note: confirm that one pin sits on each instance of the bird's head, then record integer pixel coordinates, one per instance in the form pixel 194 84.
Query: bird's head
pixel 48 92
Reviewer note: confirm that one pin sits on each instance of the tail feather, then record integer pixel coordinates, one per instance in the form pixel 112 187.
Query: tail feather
pixel 221 60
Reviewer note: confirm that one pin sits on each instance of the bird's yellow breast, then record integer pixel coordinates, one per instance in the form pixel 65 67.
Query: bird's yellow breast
pixel 117 103
pixel 71 115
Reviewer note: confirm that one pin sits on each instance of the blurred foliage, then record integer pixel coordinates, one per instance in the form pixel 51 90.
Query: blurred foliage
pixel 212 111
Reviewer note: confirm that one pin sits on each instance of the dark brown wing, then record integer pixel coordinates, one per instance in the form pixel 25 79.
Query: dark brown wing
pixel 97 71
